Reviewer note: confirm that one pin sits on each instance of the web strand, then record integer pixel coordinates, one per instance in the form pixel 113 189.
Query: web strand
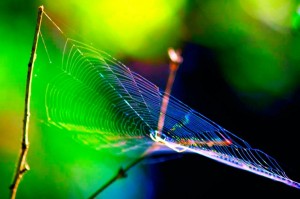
pixel 105 105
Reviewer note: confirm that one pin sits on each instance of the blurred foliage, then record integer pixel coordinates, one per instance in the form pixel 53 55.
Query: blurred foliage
pixel 255 42
pixel 134 28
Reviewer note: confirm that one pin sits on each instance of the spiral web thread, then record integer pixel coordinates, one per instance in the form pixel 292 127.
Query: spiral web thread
pixel 108 106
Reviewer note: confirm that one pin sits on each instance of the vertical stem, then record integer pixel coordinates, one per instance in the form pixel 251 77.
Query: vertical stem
pixel 175 61
pixel 22 166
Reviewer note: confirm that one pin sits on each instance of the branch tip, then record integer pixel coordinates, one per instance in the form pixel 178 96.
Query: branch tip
pixel 175 55
pixel 41 8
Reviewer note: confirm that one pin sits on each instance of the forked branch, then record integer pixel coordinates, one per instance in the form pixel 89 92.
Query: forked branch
pixel 22 165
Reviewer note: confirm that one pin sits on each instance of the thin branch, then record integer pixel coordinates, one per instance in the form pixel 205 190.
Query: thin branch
pixel 22 166
pixel 120 174
pixel 175 61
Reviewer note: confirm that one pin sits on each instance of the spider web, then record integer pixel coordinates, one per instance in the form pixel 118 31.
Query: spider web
pixel 106 106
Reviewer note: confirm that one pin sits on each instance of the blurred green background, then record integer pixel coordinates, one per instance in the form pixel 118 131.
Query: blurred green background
pixel 256 45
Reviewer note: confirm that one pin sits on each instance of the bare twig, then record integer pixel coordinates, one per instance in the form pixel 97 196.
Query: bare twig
pixel 175 61
pixel 22 166
pixel 120 174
